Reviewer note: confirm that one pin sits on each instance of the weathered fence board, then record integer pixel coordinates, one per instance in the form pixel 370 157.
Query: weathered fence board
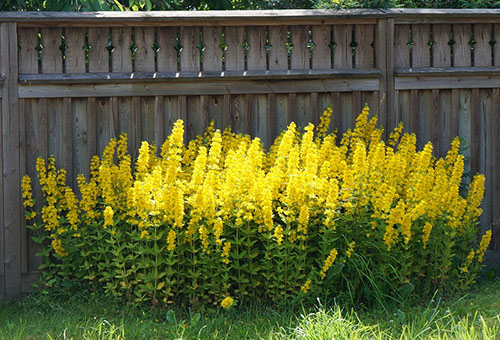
pixel 71 81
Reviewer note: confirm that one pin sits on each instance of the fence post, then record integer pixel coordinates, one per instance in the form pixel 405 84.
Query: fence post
pixel 11 193
pixel 385 63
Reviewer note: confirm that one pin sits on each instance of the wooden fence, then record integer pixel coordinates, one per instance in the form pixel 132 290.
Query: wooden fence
pixel 71 81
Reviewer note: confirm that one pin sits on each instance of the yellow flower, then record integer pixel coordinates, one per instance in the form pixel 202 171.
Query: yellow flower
pixel 145 234
pixel 349 251
pixel 329 262
pixel 483 245
pixel 27 192
pixel 225 252
pixel 171 240
pixel 426 232
pixel 278 234
pixel 305 287
pixel 227 302
pixel 108 216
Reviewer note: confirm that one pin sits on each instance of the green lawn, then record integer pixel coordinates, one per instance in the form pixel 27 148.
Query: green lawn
pixel 474 316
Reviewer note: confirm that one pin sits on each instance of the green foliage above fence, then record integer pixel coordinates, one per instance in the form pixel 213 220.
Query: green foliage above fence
pixel 165 5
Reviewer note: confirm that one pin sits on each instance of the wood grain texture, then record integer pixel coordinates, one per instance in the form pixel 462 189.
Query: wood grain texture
pixel 482 48
pixel 299 56
pixel 122 55
pixel 256 54
pixel 212 55
pixel 402 52
pixel 462 49
pixel 322 52
pixel 342 53
pixel 167 54
pixel 364 37
pixel 144 55
pixel 441 51
pixel 51 54
pixel 11 181
pixel 278 56
pixel 98 39
pixel 28 55
pixel 75 55
pixel 190 54
pixel 421 53
pixel 234 55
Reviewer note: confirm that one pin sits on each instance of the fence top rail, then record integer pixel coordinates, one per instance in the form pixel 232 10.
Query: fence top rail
pixel 245 18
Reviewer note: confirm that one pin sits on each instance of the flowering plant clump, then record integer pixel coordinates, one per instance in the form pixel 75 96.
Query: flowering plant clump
pixel 223 218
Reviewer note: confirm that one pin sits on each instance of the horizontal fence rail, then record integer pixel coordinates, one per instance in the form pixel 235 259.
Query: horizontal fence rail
pixel 71 81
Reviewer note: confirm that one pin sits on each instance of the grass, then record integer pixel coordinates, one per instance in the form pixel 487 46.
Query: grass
pixel 72 316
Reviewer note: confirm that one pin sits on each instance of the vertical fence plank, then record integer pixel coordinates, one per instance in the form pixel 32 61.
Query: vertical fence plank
pixel 122 55
pixel 215 108
pixel 441 51
pixel 37 146
pixel 167 55
pixel 461 49
pixel 278 58
pixel 144 55
pixel 171 113
pixel 365 56
pixel 402 52
pixel 212 55
pixel 465 118
pixel 322 52
pixel 496 47
pixel 159 134
pixel 421 53
pixel 435 122
pixel 475 140
pixel 11 161
pixel 51 53
pixel 255 105
pixel 342 54
pixel 75 55
pixel 28 58
pixel 98 39
pixel 145 62
pixel 256 54
pixel 281 107
pixel 235 55
pixel 299 56
pixel 105 122
pixel 494 168
pixel 446 121
pixel 27 63
pixel 482 48
pixel 190 54
pixel 381 49
pixel 485 116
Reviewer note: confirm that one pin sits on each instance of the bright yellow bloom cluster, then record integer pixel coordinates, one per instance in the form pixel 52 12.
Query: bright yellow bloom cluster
pixel 329 262
pixel 227 302
pixel 224 200
pixel 108 216
pixel 483 245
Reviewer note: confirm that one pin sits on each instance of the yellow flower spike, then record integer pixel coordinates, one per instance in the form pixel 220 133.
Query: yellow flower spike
pixel 483 245
pixel 108 217
pixel 305 287
pixel 171 240
pixel 278 234
pixel 227 302
pixel 73 211
pixel 426 232
pixel 27 192
pixel 225 252
pixel 329 262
